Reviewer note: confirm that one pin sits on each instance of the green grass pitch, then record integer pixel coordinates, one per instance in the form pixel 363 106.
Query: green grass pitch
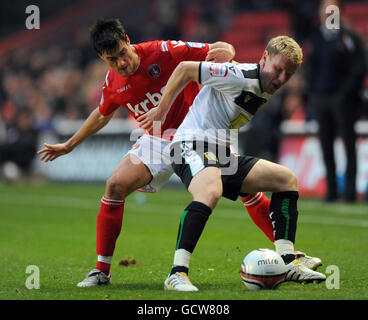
pixel 53 227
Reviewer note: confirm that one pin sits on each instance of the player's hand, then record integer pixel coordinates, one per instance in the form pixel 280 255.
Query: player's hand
pixel 52 151
pixel 145 121
pixel 219 55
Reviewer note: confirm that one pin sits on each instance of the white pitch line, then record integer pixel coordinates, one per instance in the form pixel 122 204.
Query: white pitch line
pixel 333 221
pixel 342 209
pixel 49 201
pixel 91 204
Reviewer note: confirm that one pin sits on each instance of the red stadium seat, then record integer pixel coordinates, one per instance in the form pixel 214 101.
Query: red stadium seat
pixel 240 37
pixel 262 20
pixel 356 11
pixel 357 16
pixel 251 31
pixel 250 54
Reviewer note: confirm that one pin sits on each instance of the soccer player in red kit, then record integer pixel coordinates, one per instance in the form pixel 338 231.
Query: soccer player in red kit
pixel 135 81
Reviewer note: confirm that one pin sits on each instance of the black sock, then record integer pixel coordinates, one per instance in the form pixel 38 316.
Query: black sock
pixel 192 223
pixel 284 214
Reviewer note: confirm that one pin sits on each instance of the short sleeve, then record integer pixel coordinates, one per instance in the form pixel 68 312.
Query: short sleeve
pixel 186 51
pixel 224 77
pixel 107 105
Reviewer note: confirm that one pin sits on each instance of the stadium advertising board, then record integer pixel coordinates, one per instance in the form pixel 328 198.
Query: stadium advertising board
pixel 303 155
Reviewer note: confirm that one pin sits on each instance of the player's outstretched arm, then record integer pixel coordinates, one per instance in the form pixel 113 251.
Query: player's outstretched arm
pixel 183 73
pixel 94 123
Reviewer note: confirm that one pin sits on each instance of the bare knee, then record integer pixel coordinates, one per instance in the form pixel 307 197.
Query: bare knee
pixel 288 181
pixel 293 182
pixel 117 189
pixel 130 175
pixel 206 186
pixel 214 195
pixel 209 197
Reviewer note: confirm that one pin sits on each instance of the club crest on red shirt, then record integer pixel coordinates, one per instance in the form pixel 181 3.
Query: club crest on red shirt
pixel 154 70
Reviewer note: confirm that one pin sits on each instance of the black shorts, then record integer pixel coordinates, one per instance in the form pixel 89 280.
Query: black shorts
pixel 190 157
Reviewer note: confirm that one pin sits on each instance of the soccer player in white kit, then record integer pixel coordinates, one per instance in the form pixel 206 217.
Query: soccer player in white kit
pixel 202 158
pixel 134 81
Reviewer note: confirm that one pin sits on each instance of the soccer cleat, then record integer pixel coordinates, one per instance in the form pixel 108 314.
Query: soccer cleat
pixel 95 278
pixel 298 272
pixel 179 281
pixel 310 262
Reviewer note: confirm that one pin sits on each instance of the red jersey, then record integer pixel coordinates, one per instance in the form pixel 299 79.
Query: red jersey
pixel 142 91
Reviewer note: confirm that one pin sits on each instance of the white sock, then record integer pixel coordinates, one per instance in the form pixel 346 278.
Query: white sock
pixel 284 246
pixel 182 258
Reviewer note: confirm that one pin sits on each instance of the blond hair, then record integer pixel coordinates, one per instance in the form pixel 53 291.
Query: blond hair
pixel 286 46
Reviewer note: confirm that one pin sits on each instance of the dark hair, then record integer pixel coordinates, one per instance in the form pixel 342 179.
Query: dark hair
pixel 106 35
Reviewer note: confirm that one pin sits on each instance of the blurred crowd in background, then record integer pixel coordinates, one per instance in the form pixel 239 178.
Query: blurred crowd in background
pixel 64 79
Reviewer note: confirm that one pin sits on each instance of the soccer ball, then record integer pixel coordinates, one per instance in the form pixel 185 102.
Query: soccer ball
pixel 263 269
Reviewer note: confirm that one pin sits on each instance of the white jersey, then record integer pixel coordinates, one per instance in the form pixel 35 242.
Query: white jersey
pixel 231 95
